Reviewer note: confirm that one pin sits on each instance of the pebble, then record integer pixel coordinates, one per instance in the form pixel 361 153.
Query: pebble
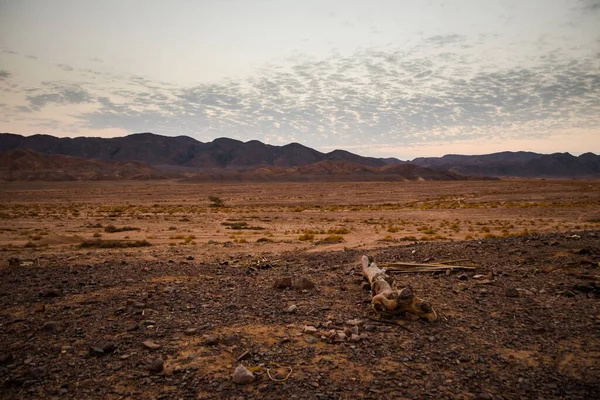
pixel 102 347
pixel 157 366
pixel 354 322
pixel 463 277
pixel 242 376
pixel 283 283
pixel 50 326
pixel 305 284
pixel 291 309
pixel 512 292
pixel 191 331
pixel 211 340
pixel 149 344
pixel 310 339
pixel 6 358
pixel 309 329
pixel 354 338
pixel 50 293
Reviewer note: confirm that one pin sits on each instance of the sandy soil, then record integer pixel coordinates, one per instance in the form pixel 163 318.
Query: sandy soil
pixel 200 278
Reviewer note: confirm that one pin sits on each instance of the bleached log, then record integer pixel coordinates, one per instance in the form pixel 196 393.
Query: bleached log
pixel 432 266
pixel 389 301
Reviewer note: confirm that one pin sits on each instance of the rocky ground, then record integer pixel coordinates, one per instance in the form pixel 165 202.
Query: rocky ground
pixel 524 325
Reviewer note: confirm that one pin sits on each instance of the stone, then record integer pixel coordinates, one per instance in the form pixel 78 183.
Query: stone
pixel 102 347
pixel 6 358
pixel 366 286
pixel 370 328
pixel 463 277
pixel 50 326
pixel 291 309
pixel 479 276
pixel 354 322
pixel 283 283
pixel 354 338
pixel 191 331
pixel 311 330
pixel 157 366
pixel 305 284
pixel 512 292
pixel 50 293
pixel 310 339
pixel 242 376
pixel 568 293
pixel 149 344
pixel 211 340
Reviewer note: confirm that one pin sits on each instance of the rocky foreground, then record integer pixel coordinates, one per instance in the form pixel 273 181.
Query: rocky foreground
pixel 525 325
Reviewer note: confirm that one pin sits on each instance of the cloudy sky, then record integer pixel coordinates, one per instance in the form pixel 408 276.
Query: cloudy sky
pixel 401 78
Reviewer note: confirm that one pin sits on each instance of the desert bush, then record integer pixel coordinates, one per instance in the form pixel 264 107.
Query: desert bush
pixel 189 238
pixel 239 225
pixel 306 236
pixel 264 240
pixel 107 244
pixel 97 235
pixel 216 202
pixel 392 229
pixel 331 239
pixel 113 229
pixel 338 231
pixel 409 238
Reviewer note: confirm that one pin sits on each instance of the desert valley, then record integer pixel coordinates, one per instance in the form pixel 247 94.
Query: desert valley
pixel 159 287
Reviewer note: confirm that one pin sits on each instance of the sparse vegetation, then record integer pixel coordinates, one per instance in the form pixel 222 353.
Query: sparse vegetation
pixel 114 229
pixel 216 202
pixel 108 244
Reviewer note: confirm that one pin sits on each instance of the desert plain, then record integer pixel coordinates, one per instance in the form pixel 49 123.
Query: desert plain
pixel 125 274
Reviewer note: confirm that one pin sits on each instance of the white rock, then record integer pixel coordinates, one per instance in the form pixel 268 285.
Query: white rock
pixel 242 376
pixel 291 309
pixel 309 329
pixel 354 322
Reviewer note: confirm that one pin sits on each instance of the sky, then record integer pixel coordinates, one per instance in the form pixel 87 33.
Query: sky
pixel 383 78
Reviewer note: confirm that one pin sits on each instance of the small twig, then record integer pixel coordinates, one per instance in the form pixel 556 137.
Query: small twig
pixel 277 379
pixel 382 321
pixel 452 261
pixel 432 267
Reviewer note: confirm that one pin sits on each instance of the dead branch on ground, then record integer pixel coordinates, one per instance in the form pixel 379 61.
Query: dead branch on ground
pixel 389 301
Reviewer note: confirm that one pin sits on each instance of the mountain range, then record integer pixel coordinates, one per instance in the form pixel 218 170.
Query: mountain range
pixel 183 151
pixel 148 156
pixel 518 164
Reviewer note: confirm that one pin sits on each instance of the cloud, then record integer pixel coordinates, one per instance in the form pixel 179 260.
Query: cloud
pixel 374 95
pixel 65 67
pixel 590 6
pixel 4 74
pixel 442 40
pixel 59 94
